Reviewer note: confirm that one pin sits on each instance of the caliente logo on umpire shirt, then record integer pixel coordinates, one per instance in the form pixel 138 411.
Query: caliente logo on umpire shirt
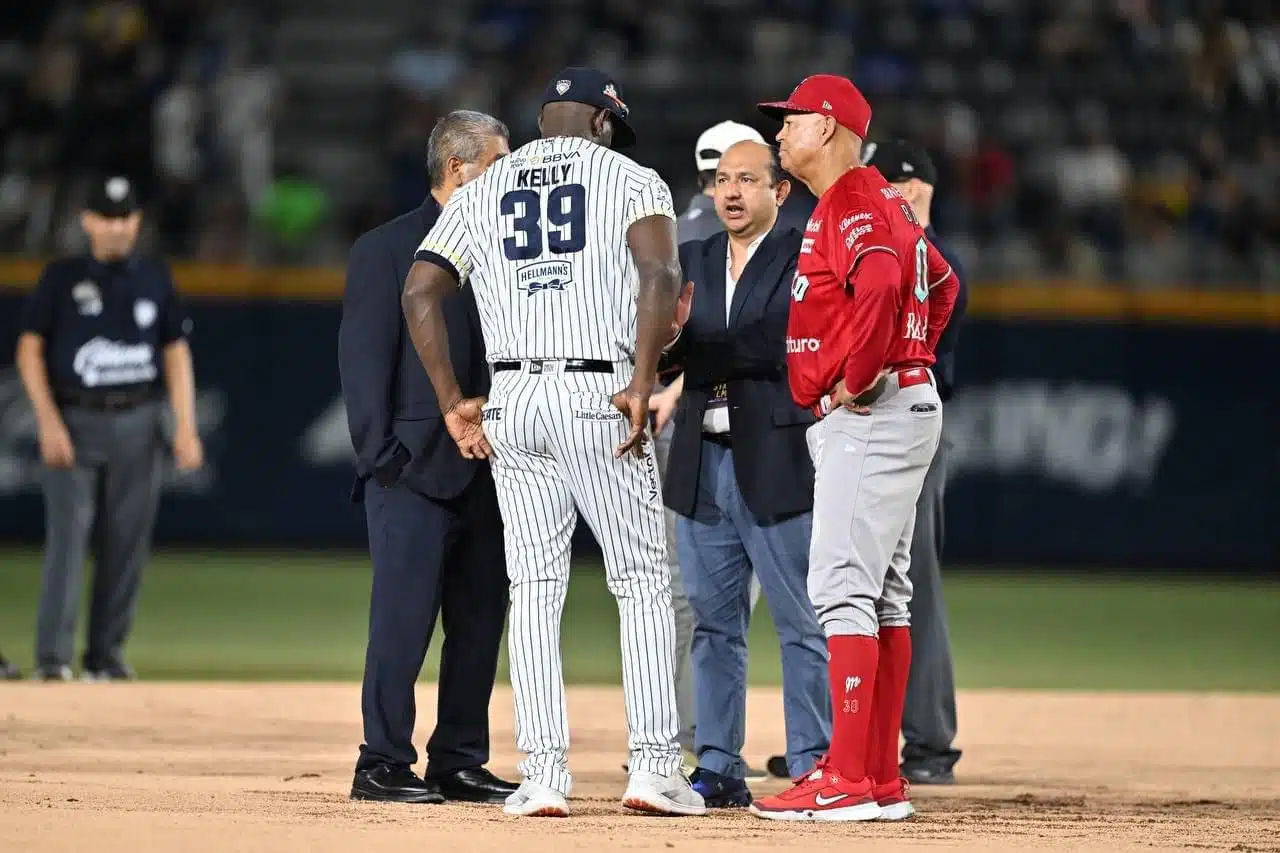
pixel 103 362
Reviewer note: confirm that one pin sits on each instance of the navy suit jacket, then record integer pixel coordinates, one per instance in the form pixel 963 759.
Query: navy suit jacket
pixel 396 426
pixel 748 353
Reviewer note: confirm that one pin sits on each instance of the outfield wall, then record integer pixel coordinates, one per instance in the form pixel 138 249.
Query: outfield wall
pixel 1093 427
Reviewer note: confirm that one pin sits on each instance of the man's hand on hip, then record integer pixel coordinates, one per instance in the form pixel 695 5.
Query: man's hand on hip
pixel 633 402
pixel 465 422
pixel 841 396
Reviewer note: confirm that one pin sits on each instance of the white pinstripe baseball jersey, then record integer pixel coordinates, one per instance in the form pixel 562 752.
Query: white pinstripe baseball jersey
pixel 542 237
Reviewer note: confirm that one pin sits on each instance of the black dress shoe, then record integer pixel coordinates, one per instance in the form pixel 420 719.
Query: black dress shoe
pixel 928 774
pixel 388 783
pixel 473 785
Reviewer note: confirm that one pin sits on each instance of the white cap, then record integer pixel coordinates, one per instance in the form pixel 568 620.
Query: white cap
pixel 719 138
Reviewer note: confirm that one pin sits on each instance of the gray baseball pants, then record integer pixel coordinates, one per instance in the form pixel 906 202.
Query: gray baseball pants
pixel 107 501
pixel 869 470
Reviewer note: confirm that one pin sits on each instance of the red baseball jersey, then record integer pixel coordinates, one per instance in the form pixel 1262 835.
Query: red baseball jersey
pixel 844 325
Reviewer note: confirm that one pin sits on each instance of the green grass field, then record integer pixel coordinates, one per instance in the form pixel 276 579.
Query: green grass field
pixel 297 616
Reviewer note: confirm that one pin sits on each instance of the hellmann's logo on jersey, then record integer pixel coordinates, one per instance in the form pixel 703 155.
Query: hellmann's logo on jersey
pixel 547 275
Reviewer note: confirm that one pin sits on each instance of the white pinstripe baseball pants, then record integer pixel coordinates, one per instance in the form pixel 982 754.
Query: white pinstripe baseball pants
pixel 553 436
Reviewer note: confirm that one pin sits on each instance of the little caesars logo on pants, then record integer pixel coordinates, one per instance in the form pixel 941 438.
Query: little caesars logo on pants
pixel 103 362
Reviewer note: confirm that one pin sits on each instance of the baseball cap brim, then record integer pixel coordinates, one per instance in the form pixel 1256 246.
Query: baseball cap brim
pixel 781 109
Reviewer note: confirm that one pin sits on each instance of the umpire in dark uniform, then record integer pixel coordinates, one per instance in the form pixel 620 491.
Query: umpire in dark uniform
pixel 929 716
pixel 103 336
pixel 435 534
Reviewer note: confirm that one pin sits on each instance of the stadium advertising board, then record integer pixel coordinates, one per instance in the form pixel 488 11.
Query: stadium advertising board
pixel 1086 437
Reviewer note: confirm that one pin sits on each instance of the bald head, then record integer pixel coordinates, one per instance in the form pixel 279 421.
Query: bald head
pixel 569 118
pixel 749 189
pixel 757 155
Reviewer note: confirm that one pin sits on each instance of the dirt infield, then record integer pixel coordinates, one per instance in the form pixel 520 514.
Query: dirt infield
pixel 147 768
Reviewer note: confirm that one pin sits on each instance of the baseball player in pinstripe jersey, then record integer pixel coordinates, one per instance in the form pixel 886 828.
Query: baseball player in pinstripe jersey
pixel 571 250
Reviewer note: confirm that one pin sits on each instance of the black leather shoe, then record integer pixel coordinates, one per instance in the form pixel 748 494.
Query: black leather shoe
pixel 388 783
pixel 928 774
pixel 473 785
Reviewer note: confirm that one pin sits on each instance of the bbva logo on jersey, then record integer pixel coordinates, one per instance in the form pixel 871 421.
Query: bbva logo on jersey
pixel 545 275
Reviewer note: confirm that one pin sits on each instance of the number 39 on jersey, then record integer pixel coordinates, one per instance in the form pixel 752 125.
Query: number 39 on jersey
pixel 566 220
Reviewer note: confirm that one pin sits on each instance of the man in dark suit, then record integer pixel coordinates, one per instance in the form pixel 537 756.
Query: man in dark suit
pixel 740 476
pixel 929 716
pixel 435 534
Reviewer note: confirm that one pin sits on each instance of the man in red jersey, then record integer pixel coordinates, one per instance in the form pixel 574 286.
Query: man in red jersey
pixel 870 299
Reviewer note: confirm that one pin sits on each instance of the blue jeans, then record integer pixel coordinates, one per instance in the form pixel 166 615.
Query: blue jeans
pixel 719 548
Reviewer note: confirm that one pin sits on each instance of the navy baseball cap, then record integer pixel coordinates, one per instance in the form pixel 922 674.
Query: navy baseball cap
pixel 899 160
pixel 113 196
pixel 597 89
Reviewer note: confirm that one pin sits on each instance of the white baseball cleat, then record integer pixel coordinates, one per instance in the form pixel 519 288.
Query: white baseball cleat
pixel 663 795
pixel 534 800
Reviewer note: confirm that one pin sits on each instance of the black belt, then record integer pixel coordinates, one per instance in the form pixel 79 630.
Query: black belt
pixel 102 400
pixel 723 439
pixel 571 365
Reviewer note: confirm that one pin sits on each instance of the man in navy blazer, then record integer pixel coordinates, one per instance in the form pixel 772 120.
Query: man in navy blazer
pixel 740 476
pixel 435 534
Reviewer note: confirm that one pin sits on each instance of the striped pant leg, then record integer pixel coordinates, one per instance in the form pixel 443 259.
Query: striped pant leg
pixel 622 503
pixel 538 519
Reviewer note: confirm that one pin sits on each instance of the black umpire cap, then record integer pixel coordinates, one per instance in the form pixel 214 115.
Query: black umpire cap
pixel 899 160
pixel 113 196
pixel 597 89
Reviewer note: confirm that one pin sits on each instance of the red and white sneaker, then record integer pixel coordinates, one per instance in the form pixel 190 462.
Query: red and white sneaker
pixel 823 795
pixel 893 799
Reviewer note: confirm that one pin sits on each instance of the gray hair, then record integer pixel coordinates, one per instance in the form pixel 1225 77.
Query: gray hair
pixel 462 134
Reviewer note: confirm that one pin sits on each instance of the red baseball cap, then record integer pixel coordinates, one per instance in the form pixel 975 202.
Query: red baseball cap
pixel 827 94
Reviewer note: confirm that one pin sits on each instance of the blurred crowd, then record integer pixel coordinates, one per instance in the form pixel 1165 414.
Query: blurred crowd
pixel 176 94
pixel 1099 140
pixel 1128 140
